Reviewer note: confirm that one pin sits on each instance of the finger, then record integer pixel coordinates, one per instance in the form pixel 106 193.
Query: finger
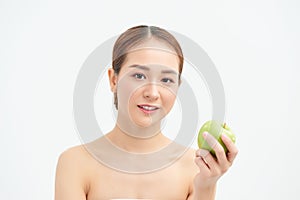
pixel 202 153
pixel 232 149
pixel 219 150
pixel 212 163
pixel 202 165
pixel 214 167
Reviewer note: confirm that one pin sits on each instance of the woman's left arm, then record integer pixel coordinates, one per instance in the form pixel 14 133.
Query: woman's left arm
pixel 211 169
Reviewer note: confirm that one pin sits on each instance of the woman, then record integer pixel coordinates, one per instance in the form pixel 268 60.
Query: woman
pixel 145 76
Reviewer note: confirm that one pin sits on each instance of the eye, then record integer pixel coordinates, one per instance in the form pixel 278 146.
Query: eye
pixel 139 76
pixel 167 80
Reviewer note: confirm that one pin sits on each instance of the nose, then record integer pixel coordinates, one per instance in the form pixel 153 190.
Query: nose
pixel 151 92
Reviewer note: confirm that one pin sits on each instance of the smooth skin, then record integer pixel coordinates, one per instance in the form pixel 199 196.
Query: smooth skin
pixel 194 176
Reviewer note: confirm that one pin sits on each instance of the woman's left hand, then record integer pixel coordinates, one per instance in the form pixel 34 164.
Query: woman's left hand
pixel 211 169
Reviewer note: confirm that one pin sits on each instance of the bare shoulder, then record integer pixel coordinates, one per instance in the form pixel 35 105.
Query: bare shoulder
pixel 72 159
pixel 188 160
pixel 75 159
pixel 72 174
pixel 74 155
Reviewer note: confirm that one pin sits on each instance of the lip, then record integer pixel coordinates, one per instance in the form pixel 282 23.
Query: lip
pixel 140 106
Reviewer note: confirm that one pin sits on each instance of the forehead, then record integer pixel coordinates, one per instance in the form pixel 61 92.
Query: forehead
pixel 159 57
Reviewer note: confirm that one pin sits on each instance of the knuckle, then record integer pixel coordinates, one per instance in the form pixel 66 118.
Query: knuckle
pixel 219 151
pixel 224 170
pixel 217 172
pixel 235 152
pixel 197 161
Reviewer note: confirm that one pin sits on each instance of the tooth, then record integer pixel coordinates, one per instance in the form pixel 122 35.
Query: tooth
pixel 148 108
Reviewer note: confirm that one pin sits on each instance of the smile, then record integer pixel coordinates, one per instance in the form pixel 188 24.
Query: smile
pixel 148 108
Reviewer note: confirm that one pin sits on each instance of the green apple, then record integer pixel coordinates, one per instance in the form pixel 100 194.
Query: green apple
pixel 216 129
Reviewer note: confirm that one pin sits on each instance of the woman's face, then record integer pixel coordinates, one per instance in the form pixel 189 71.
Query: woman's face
pixel 147 86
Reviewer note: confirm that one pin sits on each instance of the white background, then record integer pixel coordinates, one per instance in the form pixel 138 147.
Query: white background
pixel 255 46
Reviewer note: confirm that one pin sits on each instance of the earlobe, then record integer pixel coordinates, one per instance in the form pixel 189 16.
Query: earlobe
pixel 180 81
pixel 112 79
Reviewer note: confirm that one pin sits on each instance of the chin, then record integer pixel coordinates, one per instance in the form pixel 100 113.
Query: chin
pixel 146 123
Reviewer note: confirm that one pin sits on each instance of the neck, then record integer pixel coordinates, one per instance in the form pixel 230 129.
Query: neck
pixel 133 143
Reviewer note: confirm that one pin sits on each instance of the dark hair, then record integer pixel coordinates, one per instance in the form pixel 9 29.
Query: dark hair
pixel 137 35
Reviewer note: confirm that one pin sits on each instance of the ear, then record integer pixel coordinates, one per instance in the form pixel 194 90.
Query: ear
pixel 112 80
pixel 180 81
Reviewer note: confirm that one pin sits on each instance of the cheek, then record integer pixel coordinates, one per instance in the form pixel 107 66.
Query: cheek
pixel 127 92
pixel 169 98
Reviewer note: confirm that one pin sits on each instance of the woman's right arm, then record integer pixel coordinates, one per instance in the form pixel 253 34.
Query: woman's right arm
pixel 69 181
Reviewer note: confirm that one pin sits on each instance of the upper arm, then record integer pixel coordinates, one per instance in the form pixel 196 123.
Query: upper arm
pixel 191 194
pixel 193 171
pixel 69 182
pixel 190 197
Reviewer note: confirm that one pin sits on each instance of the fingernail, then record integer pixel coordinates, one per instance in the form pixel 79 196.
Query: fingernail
pixel 204 134
pixel 225 136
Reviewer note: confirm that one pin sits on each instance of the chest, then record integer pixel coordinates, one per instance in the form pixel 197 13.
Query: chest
pixel 169 183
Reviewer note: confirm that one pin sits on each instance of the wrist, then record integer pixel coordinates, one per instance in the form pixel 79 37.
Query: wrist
pixel 207 193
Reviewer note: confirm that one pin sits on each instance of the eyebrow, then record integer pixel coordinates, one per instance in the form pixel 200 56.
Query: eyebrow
pixel 140 67
pixel 170 71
